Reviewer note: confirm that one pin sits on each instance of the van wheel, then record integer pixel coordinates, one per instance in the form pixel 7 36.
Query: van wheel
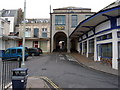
pixel 18 58
pixel 33 54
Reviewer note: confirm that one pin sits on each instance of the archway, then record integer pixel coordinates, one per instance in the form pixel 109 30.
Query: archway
pixel 60 42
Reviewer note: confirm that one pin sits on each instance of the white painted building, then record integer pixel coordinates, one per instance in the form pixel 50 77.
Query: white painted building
pixel 99 35
pixel 5 40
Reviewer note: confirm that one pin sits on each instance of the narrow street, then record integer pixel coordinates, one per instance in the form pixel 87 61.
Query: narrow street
pixel 67 73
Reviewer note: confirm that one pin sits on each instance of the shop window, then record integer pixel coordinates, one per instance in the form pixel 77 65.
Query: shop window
pixel 85 47
pixel 91 46
pixel 106 50
pixel 119 50
pixel 118 34
pixel 80 47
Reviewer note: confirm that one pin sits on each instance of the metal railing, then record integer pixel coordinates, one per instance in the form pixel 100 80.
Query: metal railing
pixel 6 71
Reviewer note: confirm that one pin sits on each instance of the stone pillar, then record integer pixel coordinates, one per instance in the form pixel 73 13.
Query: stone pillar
pixel 114 50
pixel 68 45
pixel 95 49
pixel 87 48
pixel 82 48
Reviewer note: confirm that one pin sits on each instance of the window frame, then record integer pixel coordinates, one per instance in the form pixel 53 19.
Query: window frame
pixel 75 20
pixel 60 19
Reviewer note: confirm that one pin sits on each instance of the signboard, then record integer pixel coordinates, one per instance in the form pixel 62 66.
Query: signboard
pixel 60 27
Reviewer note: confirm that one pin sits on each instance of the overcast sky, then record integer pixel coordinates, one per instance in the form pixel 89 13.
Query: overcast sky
pixel 41 8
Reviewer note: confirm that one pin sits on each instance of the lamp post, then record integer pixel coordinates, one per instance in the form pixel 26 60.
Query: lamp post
pixel 24 24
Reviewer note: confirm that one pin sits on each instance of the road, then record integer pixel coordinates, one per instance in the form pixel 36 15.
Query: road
pixel 67 73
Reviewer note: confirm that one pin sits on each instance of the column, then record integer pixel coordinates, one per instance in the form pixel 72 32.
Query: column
pixel 82 48
pixel 68 44
pixel 87 48
pixel 114 50
pixel 95 49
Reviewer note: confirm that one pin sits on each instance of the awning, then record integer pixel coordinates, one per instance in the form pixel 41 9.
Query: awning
pixel 94 20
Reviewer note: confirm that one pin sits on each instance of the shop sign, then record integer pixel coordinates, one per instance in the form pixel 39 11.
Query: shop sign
pixel 60 27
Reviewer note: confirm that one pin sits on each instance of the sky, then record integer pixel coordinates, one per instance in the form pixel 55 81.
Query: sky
pixel 41 8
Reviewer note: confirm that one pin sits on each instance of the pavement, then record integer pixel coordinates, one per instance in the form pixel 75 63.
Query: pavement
pixel 97 65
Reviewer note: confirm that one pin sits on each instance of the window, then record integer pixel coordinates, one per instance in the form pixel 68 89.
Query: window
pixel 27 32
pixel 118 34
pixel 44 34
pixel 35 44
pixel 85 47
pixel 119 50
pixel 104 37
pixel 19 51
pixel 13 51
pixel 7 51
pixel 60 20
pixel 44 29
pixel 98 38
pixel 74 21
pixel 36 32
pixel 106 50
pixel 91 46
pixel 80 47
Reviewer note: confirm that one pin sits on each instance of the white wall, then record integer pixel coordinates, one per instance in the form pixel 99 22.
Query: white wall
pixel 11 19
pixel 29 44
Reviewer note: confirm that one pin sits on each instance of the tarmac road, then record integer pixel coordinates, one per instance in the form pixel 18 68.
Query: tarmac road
pixel 66 73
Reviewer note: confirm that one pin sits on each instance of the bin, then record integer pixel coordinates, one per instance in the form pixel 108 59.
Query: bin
pixel 19 78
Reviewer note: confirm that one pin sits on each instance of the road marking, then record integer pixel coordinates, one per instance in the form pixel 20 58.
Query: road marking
pixel 62 58
pixel 70 58
pixel 50 82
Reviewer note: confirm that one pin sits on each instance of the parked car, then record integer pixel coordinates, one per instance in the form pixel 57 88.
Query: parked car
pixel 34 51
pixel 14 53
pixel 40 50
pixel 1 53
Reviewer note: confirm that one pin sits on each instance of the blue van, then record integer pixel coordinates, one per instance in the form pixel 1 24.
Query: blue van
pixel 14 53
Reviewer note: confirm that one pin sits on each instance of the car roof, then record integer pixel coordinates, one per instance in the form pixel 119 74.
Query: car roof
pixel 15 48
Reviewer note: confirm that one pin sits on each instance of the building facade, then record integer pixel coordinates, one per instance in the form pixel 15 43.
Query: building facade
pixel 14 16
pixel 37 34
pixel 6 41
pixel 99 35
pixel 63 22
pixel 9 19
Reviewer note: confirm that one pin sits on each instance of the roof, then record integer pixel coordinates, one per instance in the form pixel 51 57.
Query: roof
pixel 95 19
pixel 9 13
pixel 72 8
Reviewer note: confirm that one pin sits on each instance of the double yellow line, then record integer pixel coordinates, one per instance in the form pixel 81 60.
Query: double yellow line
pixel 50 82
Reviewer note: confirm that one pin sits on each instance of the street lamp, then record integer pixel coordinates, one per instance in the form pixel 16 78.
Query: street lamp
pixel 24 24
